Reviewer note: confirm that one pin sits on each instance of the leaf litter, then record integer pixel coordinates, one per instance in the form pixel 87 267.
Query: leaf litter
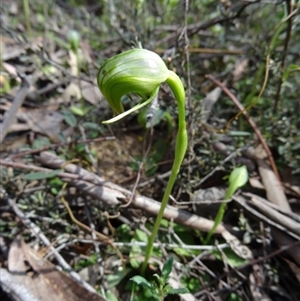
pixel 64 106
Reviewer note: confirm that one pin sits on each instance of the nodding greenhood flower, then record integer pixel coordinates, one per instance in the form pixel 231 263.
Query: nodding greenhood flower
pixel 138 71
pixel 141 72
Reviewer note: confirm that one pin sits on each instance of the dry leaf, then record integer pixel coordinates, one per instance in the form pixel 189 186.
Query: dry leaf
pixel 33 278
pixel 91 93
pixel 72 91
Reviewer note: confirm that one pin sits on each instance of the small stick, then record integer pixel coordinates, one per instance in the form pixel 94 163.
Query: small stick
pixel 10 115
pixel 250 120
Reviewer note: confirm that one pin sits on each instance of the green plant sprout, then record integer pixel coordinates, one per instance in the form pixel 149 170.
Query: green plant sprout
pixel 141 71
pixel 237 179
pixel 26 9
pixel 74 40
pixel 160 287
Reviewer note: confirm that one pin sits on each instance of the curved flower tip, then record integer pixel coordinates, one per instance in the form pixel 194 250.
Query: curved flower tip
pixel 137 71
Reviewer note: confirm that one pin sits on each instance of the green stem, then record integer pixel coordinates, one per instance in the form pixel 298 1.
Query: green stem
pixel 219 216
pixel 180 148
pixel 27 16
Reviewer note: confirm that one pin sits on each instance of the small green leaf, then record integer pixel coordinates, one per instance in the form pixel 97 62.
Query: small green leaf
pixel 70 119
pixel 140 235
pixel 124 232
pixel 91 126
pixel 56 182
pixel 139 280
pixel 41 142
pixel 237 179
pixel 41 175
pixel 193 284
pixel 80 111
pixel 167 268
pixel 164 223
pixel 187 238
pixel 156 154
pixel 54 191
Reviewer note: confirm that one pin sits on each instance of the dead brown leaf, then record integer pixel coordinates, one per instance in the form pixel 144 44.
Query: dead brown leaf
pixel 91 93
pixel 39 279
pixel 10 48
pixel 43 121
pixel 72 91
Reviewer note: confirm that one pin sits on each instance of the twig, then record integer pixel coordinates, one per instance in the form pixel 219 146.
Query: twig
pixel 149 205
pixel 104 191
pixel 101 236
pixel 294 216
pixel 206 51
pixel 93 228
pixel 144 244
pixel 250 121
pixel 85 181
pixel 10 115
pixel 205 268
pixel 251 263
pixel 97 188
pixel 261 217
pixel 285 221
pixel 192 29
pixel 160 177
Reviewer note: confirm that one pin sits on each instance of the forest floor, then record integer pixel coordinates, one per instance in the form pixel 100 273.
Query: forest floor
pixel 78 198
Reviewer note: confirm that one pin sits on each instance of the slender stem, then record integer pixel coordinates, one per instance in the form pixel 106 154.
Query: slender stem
pixel 181 145
pixel 220 215
pixel 27 16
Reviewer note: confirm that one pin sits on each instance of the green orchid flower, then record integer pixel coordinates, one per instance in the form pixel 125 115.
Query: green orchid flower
pixel 141 71
pixel 135 71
